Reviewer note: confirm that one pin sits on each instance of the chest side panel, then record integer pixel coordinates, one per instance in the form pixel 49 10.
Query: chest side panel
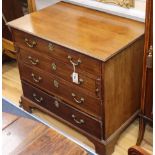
pixel 122 86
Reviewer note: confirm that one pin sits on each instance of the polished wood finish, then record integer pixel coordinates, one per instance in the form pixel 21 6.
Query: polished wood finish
pixel 147 97
pixel 116 75
pixel 136 150
pixel 149 94
pixel 57 52
pixel 31 6
pixel 62 110
pixel 147 83
pixel 126 86
pixel 7 44
pixel 63 90
pixel 12 91
pixel 34 138
pixel 56 67
pixel 87 31
pixel 8 47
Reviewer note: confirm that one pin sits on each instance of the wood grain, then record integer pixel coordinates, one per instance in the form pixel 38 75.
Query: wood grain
pixel 63 91
pixel 149 94
pixel 7 44
pixel 52 143
pixel 147 78
pixel 147 84
pixel 61 69
pixel 55 51
pixel 62 110
pixel 17 132
pixel 26 136
pixel 31 6
pixel 90 32
pixel 122 86
pixel 12 91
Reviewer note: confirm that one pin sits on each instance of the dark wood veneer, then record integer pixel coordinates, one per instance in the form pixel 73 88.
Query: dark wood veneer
pixel 64 111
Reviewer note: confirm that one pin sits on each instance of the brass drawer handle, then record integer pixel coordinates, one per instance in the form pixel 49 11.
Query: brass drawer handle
pixel 56 83
pixel 76 100
pixel 39 100
pixel 54 67
pixel 51 47
pixel 56 103
pixel 74 63
pixel 30 44
pixel 33 61
pixel 81 121
pixel 37 80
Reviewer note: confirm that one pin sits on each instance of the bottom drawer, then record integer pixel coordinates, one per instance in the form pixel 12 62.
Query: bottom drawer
pixel 66 112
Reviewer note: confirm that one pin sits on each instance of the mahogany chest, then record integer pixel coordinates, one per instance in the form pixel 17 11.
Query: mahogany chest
pixel 82 67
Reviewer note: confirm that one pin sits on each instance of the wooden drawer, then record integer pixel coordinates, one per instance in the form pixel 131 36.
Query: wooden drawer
pixel 63 54
pixel 66 91
pixel 56 106
pixel 86 81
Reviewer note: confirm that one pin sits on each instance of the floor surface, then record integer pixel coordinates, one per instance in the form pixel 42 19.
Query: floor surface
pixel 24 136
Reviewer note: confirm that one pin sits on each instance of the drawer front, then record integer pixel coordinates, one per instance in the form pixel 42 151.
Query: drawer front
pixel 66 55
pixel 55 67
pixel 73 95
pixel 62 110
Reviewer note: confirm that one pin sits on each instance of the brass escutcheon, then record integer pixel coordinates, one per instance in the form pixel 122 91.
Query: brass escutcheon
pixel 54 67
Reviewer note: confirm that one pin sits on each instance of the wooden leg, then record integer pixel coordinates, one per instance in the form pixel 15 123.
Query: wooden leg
pixel 104 149
pixel 141 130
pixel 99 148
pixel 25 106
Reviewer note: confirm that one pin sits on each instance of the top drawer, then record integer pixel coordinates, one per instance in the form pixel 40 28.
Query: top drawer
pixel 81 61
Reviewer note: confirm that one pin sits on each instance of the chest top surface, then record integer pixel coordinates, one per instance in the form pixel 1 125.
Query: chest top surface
pixel 87 31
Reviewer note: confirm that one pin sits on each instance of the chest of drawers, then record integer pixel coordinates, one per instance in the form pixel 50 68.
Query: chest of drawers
pixel 105 54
